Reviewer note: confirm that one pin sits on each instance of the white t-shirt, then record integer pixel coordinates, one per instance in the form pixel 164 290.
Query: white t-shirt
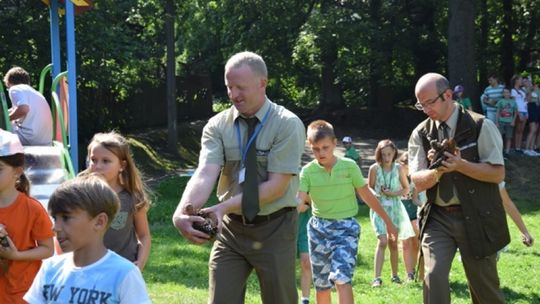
pixel 34 129
pixel 112 279
pixel 519 97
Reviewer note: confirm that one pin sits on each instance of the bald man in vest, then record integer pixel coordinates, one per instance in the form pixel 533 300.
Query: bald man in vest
pixel 464 209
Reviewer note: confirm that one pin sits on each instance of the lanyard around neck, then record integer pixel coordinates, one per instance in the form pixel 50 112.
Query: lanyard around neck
pixel 251 139
pixel 387 182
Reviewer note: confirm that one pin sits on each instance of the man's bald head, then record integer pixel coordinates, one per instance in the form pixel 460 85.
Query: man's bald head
pixel 434 96
pixel 432 81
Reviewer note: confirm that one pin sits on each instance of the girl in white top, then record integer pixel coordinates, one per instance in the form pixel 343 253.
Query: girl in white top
pixel 521 120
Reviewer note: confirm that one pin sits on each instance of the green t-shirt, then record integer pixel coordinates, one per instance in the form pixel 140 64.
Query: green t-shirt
pixel 465 102
pixel 352 154
pixel 332 194
pixel 506 108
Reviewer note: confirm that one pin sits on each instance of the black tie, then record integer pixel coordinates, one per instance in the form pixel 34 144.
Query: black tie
pixel 446 187
pixel 250 193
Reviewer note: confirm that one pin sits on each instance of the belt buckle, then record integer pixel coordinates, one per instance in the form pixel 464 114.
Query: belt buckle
pixel 245 223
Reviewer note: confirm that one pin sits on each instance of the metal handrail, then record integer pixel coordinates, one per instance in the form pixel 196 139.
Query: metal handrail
pixel 46 69
pixel 5 113
pixel 57 112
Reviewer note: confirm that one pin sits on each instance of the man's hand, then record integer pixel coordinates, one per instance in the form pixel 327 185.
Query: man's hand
pixel 219 210
pixel 452 162
pixel 430 154
pixel 184 224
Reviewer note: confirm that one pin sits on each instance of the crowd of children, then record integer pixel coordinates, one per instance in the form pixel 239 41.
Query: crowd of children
pixel 514 108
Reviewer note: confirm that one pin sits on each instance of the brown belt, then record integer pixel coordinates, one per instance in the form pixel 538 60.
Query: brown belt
pixel 259 219
pixel 449 209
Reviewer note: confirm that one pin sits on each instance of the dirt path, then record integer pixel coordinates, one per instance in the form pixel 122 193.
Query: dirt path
pixel 365 147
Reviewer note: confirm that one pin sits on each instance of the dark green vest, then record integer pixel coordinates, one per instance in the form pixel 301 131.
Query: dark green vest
pixel 485 218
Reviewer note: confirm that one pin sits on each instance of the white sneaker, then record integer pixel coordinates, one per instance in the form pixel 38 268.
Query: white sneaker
pixel 530 153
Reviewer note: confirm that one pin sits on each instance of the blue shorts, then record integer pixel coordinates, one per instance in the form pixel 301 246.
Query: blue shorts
pixel 333 246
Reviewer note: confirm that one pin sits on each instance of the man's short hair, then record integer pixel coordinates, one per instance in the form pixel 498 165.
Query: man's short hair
pixel 318 130
pixel 89 193
pixel 442 84
pixel 254 61
pixel 17 75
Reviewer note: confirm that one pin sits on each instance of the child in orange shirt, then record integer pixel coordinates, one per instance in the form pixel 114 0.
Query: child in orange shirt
pixel 26 235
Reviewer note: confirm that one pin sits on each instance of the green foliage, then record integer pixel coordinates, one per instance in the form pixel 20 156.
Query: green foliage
pixel 167 197
pixel 370 52
pixel 220 106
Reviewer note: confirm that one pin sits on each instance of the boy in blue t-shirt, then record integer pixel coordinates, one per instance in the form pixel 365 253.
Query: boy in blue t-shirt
pixel 333 231
pixel 506 118
pixel 83 209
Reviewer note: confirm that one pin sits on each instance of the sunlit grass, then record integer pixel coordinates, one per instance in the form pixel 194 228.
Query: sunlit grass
pixel 177 271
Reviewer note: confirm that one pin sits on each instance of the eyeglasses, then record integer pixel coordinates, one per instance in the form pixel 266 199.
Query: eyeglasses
pixel 428 103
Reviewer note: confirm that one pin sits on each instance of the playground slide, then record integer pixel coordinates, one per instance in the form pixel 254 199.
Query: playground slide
pixel 45 170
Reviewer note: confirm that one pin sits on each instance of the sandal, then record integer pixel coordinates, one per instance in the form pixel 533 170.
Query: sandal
pixel 377 282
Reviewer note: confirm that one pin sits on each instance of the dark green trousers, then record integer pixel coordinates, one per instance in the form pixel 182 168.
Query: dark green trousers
pixel 443 235
pixel 268 248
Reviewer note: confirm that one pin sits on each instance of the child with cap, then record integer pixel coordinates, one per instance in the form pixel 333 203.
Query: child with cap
pixel 350 151
pixel 26 235
pixel 465 102
pixel 82 209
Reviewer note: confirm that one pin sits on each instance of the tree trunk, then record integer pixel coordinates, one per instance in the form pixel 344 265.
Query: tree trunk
pixel 482 52
pixel 171 80
pixel 331 97
pixel 331 92
pixel 507 46
pixel 426 40
pixel 461 46
pixel 375 47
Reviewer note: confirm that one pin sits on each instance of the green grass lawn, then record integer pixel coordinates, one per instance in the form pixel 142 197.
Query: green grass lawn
pixel 177 271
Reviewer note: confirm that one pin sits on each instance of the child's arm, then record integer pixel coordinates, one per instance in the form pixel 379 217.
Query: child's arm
pixel 514 214
pixel 404 185
pixel 498 115
pixel 44 249
pixel 372 177
pixel 142 230
pixel 367 196
pixel 303 201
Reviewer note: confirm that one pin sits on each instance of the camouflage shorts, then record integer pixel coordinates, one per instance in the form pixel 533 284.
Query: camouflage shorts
pixel 333 246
